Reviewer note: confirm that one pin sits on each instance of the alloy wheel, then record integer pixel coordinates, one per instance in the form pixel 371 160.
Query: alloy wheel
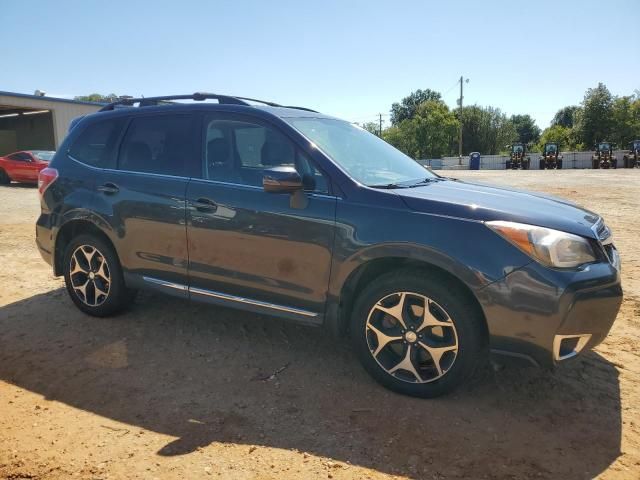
pixel 411 337
pixel 90 275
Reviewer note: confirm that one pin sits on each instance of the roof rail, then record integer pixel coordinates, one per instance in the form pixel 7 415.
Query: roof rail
pixel 198 97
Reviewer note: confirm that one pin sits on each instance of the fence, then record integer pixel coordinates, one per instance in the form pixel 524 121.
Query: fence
pixel 498 162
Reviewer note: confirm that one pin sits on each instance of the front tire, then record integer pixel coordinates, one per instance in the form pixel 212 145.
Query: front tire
pixel 93 277
pixel 4 178
pixel 418 334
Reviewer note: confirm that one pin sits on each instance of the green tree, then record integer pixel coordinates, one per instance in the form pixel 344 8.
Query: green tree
pixel 371 127
pixel 97 97
pixel 486 130
pixel 565 116
pixel 402 137
pixel 559 134
pixel 594 122
pixel 406 109
pixel 626 120
pixel 428 134
pixel 526 128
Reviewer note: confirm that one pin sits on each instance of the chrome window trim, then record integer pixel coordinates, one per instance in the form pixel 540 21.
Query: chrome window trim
pixel 254 187
pixel 159 175
pixel 115 170
pixel 193 179
pixel 233 298
pixel 92 167
pixel 227 184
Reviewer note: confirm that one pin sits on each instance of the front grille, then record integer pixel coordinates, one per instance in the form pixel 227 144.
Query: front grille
pixel 608 249
pixel 602 231
pixel 606 241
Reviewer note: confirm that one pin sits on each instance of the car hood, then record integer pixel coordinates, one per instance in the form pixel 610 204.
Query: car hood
pixel 476 201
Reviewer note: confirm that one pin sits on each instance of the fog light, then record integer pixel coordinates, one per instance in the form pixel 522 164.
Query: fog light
pixel 567 346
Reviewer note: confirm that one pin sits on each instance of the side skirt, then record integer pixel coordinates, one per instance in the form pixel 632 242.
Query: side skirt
pixel 225 300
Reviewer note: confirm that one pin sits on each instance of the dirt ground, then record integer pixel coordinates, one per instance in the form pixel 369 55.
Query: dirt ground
pixel 176 390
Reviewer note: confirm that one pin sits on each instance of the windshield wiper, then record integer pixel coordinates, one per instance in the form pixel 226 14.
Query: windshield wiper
pixel 388 186
pixel 423 181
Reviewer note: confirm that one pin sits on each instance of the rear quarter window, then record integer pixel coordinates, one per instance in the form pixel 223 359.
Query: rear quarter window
pixel 96 144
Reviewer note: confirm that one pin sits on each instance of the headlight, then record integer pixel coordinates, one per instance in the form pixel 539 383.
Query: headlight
pixel 552 248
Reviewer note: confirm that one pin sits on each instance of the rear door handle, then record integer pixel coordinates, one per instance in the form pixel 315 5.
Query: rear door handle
pixel 109 188
pixel 205 205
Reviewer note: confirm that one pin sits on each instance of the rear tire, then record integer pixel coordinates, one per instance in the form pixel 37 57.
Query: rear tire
pixel 93 277
pixel 559 165
pixel 418 334
pixel 508 165
pixel 4 178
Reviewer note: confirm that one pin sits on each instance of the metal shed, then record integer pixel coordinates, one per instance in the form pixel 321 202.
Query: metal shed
pixel 37 122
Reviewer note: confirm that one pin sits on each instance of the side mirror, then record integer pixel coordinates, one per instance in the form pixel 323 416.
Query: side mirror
pixel 281 180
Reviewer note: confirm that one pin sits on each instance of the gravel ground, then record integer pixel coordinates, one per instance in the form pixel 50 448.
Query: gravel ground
pixel 178 390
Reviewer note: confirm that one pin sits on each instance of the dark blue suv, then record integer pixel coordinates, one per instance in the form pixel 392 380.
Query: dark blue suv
pixel 287 212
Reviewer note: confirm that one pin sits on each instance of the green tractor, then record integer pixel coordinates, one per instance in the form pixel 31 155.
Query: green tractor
pixel 632 158
pixel 518 158
pixel 603 156
pixel 551 158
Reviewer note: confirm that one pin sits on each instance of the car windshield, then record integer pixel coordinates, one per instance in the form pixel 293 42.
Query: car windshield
pixel 43 155
pixel 365 157
pixel 551 148
pixel 636 146
pixel 517 149
pixel 603 146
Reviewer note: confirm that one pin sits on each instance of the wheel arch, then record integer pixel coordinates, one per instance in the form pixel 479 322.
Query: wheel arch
pixel 71 229
pixel 341 301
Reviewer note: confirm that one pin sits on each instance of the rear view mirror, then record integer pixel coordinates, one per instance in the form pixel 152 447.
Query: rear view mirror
pixel 281 180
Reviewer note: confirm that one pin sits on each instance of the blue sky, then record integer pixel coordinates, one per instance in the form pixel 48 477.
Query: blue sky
pixel 351 59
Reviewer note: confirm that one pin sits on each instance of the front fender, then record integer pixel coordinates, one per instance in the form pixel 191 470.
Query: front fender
pixel 466 249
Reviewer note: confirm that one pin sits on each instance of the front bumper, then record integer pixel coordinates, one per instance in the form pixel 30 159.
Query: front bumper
pixel 548 316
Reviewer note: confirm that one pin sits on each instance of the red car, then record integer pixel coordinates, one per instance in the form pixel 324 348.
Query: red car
pixel 24 166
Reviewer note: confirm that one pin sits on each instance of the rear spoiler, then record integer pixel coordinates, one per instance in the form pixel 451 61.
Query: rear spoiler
pixel 75 122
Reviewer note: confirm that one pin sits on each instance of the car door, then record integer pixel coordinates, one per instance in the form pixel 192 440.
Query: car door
pixel 250 248
pixel 143 195
pixel 17 166
pixel 32 167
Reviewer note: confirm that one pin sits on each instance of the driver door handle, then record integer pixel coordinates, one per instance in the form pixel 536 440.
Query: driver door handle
pixel 205 205
pixel 108 188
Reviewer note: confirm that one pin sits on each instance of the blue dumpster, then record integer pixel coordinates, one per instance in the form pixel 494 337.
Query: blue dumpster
pixel 474 161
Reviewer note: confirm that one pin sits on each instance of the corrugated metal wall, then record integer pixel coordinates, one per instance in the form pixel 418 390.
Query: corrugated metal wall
pixel 63 112
pixel 497 162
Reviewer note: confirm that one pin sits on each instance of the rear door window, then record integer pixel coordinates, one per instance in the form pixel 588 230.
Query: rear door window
pixel 96 144
pixel 159 144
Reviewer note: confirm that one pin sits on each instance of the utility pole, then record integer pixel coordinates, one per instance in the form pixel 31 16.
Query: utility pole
pixel 380 115
pixel 460 132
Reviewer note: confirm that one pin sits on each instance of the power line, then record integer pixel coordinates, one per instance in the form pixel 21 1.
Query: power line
pixel 451 88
